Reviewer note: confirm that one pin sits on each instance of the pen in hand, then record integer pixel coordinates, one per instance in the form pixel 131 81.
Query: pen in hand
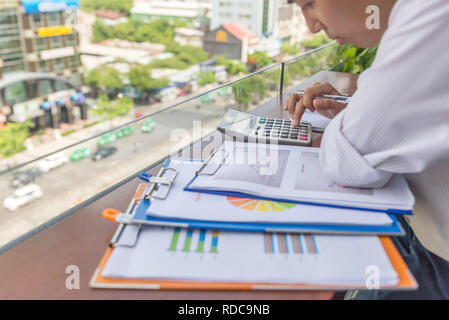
pixel 338 98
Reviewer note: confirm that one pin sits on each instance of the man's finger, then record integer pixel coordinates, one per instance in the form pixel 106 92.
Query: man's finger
pixel 299 111
pixel 291 103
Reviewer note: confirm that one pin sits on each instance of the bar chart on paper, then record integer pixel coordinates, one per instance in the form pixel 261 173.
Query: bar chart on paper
pixel 194 241
pixel 282 243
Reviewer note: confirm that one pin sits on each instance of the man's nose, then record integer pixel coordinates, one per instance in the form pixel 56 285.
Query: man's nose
pixel 313 24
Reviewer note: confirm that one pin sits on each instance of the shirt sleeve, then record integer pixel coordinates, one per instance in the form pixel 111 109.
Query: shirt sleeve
pixel 398 120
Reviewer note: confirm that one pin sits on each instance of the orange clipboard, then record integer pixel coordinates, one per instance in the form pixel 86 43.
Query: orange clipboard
pixel 406 279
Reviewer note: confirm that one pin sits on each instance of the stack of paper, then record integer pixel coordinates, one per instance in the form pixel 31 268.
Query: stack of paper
pixel 207 255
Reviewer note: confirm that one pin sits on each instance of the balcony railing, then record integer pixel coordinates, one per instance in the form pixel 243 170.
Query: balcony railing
pixel 70 177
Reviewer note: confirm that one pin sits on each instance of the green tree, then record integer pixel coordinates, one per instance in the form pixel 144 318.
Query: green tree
pixel 125 31
pixel 260 58
pixel 13 136
pixel 232 67
pixel 101 31
pixel 316 41
pixel 290 49
pixel 110 78
pixel 206 78
pixel 244 91
pixel 169 63
pixel 123 6
pixel 351 59
pixel 112 109
pixel 140 78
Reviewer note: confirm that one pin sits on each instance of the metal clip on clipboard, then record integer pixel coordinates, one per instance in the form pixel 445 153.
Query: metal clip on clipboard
pixel 160 180
pixel 206 164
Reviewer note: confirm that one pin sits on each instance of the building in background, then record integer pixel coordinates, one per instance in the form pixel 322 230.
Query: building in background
pixel 44 99
pixel 40 36
pixel 291 26
pixel 185 36
pixel 257 16
pixel 111 18
pixel 40 70
pixel 232 41
pixel 193 12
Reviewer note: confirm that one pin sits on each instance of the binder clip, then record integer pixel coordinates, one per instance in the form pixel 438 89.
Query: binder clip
pixel 214 167
pixel 158 182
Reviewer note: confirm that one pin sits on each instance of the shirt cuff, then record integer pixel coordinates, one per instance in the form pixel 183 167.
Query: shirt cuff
pixel 343 163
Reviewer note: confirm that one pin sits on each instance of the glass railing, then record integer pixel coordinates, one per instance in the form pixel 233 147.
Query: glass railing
pixel 38 190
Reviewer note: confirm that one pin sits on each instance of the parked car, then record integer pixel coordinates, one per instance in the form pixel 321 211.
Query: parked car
pixel 80 154
pixel 52 162
pixel 148 125
pixel 22 197
pixel 103 153
pixel 23 178
pixel 106 139
pixel 124 132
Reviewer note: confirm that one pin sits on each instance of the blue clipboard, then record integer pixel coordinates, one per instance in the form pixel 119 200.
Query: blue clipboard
pixel 139 216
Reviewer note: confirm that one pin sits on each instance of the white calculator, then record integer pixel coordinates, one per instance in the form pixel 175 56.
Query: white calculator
pixel 250 128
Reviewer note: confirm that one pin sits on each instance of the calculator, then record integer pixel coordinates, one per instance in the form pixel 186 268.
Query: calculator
pixel 250 128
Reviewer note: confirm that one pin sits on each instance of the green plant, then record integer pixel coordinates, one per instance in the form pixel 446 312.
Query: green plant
pixel 13 136
pixel 351 59
pixel 67 132
pixel 206 78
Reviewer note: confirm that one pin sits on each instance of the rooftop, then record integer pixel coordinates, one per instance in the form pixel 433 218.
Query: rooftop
pixel 239 31
pixel 112 15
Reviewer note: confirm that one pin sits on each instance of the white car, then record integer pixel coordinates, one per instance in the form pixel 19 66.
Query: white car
pixel 54 161
pixel 22 197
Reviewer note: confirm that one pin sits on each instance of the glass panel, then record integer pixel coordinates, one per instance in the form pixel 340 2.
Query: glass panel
pixel 117 149
pixel 304 66
pixel 15 93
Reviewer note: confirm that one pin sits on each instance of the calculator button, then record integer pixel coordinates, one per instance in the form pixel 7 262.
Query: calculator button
pixel 284 135
pixel 294 136
pixel 302 138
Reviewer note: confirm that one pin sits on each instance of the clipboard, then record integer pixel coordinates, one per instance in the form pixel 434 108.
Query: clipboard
pixel 189 188
pixel 138 215
pixel 406 279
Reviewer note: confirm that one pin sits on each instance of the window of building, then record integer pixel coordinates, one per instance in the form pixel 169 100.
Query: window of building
pixel 58 64
pixel 37 20
pixel 70 40
pixel 44 87
pixel 39 44
pixel 15 93
pixel 73 62
pixel 61 86
pixel 53 19
pixel 56 42
pixel 43 66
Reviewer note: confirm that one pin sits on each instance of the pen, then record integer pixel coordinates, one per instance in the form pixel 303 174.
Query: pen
pixel 340 99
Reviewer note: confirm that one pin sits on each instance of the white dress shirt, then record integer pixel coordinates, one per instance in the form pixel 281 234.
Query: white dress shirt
pixel 398 120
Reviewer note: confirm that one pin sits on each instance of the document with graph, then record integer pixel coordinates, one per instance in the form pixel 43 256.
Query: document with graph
pixel 218 256
pixel 180 204
pixel 292 173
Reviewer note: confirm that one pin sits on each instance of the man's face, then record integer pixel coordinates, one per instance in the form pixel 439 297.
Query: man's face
pixel 342 20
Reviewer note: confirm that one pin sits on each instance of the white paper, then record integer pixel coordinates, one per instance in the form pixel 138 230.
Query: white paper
pixel 294 173
pixel 201 206
pixel 206 255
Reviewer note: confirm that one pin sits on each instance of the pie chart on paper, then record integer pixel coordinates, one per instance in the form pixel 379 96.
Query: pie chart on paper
pixel 259 205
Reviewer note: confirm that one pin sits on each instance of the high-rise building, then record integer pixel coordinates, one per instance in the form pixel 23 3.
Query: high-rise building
pixel 40 36
pixel 257 16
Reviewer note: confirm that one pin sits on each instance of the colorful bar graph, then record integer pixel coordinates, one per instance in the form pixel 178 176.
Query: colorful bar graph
pixel 174 240
pixel 297 245
pixel 188 240
pixel 214 248
pixel 283 244
pixel 311 244
pixel 200 248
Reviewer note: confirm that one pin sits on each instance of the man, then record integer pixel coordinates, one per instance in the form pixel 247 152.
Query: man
pixel 396 122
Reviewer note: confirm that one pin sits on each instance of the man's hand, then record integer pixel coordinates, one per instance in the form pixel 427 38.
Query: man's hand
pixel 297 105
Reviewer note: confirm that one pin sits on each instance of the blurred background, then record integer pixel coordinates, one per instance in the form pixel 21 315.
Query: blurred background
pixel 93 91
